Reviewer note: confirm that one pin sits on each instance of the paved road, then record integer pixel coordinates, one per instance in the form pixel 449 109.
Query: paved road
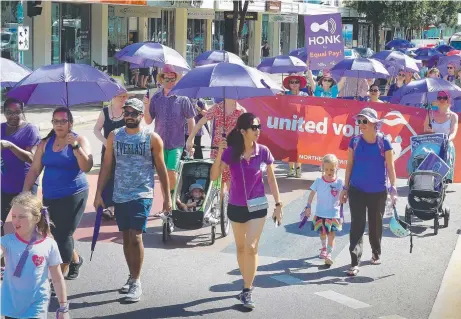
pixel 188 278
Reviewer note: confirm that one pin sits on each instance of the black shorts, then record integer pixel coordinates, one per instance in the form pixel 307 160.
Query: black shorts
pixel 144 71
pixel 240 214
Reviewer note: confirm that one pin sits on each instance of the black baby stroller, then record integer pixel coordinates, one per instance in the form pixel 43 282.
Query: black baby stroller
pixel 213 211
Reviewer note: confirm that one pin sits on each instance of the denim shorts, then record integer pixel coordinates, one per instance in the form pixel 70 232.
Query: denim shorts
pixel 133 215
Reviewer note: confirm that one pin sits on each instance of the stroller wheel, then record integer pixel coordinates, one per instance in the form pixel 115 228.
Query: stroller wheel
pixel 213 234
pixel 446 217
pixel 165 232
pixel 408 215
pixel 436 225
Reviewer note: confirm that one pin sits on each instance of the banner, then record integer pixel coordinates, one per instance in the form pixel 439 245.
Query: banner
pixel 324 40
pixel 304 129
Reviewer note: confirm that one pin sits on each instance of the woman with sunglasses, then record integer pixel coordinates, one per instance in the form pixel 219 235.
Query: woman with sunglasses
pixel 370 162
pixel 326 87
pixel 374 94
pixel 399 82
pixel 451 76
pixel 66 157
pixel 443 120
pixel 109 119
pixel 247 161
pixel 294 84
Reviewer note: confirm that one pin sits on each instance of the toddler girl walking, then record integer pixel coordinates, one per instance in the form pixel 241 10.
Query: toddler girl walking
pixel 30 254
pixel 327 219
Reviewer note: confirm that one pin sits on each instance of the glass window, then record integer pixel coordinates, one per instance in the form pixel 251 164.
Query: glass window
pixel 218 32
pixel 196 38
pixel 9 20
pixel 284 38
pixel 72 23
pixel 162 29
pixel 117 40
pixel 55 34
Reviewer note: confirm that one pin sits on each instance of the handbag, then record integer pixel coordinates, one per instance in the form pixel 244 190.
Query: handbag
pixel 257 203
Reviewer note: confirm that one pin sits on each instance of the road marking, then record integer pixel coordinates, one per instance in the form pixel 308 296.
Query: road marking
pixel 342 299
pixel 287 279
pixel 392 317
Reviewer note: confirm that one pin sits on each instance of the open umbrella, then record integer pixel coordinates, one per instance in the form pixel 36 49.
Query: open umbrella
pixel 12 72
pixel 395 61
pixel 445 60
pixel 424 91
pixel 444 48
pixel 361 68
pixel 282 64
pixel 428 54
pixel 66 85
pixel 97 226
pixel 148 54
pixel 454 52
pixel 399 44
pixel 217 56
pixel 300 53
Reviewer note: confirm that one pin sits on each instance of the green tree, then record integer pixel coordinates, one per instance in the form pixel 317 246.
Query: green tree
pixel 238 22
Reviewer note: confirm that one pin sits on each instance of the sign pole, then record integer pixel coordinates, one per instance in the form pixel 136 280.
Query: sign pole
pixel 20 12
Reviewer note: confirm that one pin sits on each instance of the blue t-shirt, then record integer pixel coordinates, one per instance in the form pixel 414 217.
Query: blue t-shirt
pixel 27 296
pixel 328 204
pixel 301 93
pixel 320 92
pixel 369 172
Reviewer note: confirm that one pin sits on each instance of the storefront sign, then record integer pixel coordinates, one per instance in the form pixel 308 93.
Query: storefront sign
pixel 200 14
pixel 119 2
pixel 304 129
pixel 273 6
pixel 283 18
pixel 249 15
pixel 199 4
pixel 312 9
pixel 253 6
pixel 142 12
pixel 324 40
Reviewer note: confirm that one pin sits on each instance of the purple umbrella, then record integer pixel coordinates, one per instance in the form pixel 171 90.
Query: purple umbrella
pixel 445 60
pixel 217 56
pixel 148 54
pixel 300 53
pixel 66 84
pixel 225 80
pixel 97 226
pixel 360 68
pixel 282 64
pixel 12 72
pixel 428 54
pixel 395 61
pixel 399 44
pixel 444 48
pixel 422 92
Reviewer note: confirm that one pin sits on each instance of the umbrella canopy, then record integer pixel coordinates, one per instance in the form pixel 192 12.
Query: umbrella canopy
pixel 444 61
pixel 282 64
pixel 217 56
pixel 361 68
pixel 225 80
pixel 300 53
pixel 97 226
pixel 424 91
pixel 425 54
pixel 66 85
pixel 399 44
pixel 12 72
pixel 395 61
pixel 148 54
pixel 444 48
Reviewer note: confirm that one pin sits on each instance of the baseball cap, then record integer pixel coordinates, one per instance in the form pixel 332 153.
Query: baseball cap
pixel 443 93
pixel 195 186
pixel 370 114
pixel 135 104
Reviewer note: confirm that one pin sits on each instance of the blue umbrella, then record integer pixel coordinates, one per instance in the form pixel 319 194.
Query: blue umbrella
pixel 217 56
pixel 148 54
pixel 66 84
pixel 12 72
pixel 282 64
pixel 444 48
pixel 396 61
pixel 361 68
pixel 225 80
pixel 399 44
pixel 300 53
pixel 97 226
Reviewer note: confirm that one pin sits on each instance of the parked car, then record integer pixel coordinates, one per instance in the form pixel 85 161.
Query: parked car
pixel 364 52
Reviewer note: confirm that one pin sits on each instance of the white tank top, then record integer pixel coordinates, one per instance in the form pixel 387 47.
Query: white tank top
pixel 442 127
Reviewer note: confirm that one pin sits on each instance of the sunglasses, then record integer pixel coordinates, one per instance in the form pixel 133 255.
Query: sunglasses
pixel 294 82
pixel 133 114
pixel 374 90
pixel 256 127
pixel 168 80
pixel 11 113
pixel 327 80
pixel 442 98
pixel 60 122
pixel 450 68
pixel 364 122
pixel 401 74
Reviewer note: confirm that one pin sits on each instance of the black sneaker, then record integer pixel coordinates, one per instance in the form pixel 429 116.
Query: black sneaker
pixel 74 269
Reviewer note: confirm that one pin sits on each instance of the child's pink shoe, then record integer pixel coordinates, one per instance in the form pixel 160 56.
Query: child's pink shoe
pixel 323 253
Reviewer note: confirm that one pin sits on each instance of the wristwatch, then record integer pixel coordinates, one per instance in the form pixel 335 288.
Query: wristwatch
pixel 278 204
pixel 76 146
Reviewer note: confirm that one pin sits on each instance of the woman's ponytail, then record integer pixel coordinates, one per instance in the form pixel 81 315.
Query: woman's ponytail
pixel 235 139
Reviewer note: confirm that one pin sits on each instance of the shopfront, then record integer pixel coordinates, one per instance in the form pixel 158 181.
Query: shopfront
pixel 70 33
pixel 197 27
pixel 9 27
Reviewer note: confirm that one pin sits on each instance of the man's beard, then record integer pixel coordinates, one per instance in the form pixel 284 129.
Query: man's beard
pixel 133 124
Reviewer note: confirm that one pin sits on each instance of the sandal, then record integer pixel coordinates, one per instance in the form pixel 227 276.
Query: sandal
pixel 353 271
pixel 375 261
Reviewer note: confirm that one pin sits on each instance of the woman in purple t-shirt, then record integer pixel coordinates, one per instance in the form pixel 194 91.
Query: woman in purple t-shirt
pixel 247 162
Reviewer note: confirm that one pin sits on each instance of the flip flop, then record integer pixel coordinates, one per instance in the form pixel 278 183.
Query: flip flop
pixel 353 271
pixel 375 261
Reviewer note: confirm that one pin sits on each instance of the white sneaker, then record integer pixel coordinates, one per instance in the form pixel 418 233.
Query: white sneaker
pixel 163 216
pixel 127 285
pixel 134 293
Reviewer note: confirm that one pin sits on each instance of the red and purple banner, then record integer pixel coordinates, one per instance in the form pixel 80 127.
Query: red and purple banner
pixel 304 129
pixel 324 40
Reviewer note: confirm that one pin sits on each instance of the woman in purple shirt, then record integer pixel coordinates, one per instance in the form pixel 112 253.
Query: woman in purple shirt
pixel 247 162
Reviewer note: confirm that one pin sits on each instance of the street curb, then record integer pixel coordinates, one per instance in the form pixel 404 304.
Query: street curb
pixel 447 305
pixel 45 126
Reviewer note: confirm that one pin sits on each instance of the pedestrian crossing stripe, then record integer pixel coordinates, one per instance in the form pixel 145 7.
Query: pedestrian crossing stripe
pixel 343 299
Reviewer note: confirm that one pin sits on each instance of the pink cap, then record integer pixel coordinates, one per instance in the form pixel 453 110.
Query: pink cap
pixel 168 69
pixel 443 93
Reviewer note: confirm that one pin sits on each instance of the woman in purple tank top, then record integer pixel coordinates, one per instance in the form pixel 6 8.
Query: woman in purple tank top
pixel 65 157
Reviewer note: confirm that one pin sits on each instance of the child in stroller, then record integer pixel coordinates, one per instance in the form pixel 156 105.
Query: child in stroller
pixel 194 199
